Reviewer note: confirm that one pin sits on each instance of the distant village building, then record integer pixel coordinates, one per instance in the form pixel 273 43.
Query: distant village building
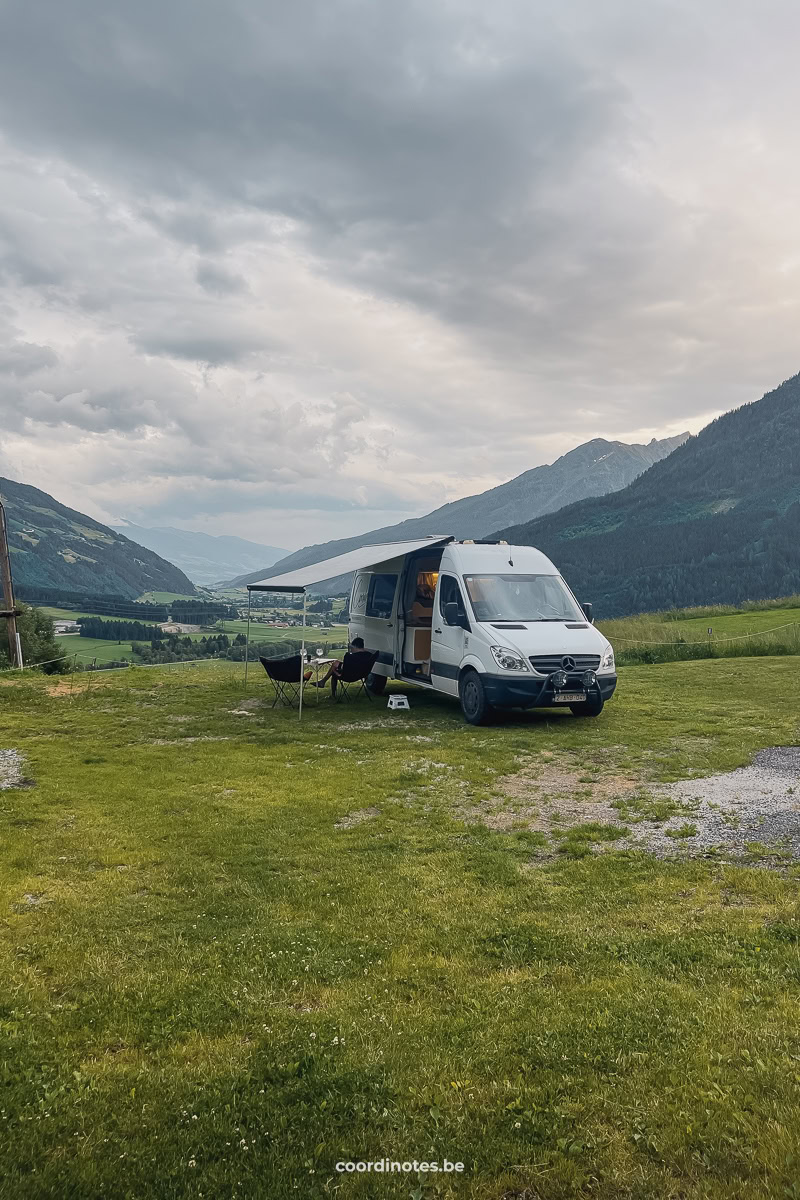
pixel 62 627
pixel 175 627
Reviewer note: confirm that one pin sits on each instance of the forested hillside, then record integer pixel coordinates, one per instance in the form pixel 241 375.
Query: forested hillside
pixel 718 521
pixel 592 469
pixel 53 546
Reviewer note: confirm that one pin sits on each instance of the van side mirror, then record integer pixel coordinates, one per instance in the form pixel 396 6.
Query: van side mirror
pixel 453 615
pixel 587 612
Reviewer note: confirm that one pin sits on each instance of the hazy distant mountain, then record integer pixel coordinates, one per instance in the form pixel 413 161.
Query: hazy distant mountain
pixel 206 558
pixel 716 522
pixel 593 469
pixel 53 546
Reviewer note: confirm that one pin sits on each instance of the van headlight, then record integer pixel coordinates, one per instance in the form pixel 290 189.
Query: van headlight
pixel 607 663
pixel 509 660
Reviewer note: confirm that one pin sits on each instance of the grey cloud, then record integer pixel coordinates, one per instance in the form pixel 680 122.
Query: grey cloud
pixel 475 163
pixel 23 358
pixel 117 409
pixel 219 281
pixel 206 348
pixel 189 498
pixel 413 143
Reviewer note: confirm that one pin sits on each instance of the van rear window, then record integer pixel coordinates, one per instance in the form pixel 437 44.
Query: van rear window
pixel 358 600
pixel 380 600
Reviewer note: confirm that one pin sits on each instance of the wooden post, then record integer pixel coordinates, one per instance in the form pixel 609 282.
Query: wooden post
pixel 247 643
pixel 303 657
pixel 15 652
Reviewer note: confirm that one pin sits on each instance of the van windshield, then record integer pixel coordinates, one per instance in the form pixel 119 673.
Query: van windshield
pixel 521 598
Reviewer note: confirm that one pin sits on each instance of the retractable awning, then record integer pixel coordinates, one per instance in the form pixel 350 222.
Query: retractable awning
pixel 343 564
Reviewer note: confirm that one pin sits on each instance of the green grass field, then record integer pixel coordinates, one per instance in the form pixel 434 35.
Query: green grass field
pixel 67 614
pixel 90 648
pixel 236 949
pixel 264 633
pixel 71 614
pixel 736 624
pixel 728 625
pixel 737 633
pixel 258 631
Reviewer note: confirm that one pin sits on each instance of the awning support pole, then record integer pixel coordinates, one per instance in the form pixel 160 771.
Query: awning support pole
pixel 247 643
pixel 302 656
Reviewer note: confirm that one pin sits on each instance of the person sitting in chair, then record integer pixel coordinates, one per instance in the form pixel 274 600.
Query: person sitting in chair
pixel 335 669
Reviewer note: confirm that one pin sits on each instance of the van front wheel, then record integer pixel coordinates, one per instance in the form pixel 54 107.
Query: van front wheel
pixel 476 708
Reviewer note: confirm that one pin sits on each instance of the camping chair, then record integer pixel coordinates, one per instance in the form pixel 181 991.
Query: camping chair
pixel 285 674
pixel 355 669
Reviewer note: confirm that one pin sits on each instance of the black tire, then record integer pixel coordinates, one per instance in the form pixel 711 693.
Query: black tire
pixel 476 708
pixel 377 684
pixel 589 708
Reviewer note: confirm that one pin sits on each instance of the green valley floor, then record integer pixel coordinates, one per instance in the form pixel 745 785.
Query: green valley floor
pixel 237 949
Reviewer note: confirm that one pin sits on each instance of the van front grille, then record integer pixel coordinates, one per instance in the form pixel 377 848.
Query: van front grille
pixel 547 663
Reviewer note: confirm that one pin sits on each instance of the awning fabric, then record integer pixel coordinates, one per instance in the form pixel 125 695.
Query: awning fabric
pixel 343 564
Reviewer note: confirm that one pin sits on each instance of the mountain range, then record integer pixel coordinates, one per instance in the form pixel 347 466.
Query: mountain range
pixel 206 558
pixel 708 519
pixel 53 546
pixel 718 521
pixel 592 469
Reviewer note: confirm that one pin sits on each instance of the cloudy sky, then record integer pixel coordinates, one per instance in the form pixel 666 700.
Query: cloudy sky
pixel 299 270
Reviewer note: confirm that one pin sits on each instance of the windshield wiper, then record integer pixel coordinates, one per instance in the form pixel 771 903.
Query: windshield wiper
pixel 531 620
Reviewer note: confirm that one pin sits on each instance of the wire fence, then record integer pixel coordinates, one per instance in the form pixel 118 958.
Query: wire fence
pixel 740 637
pixel 76 654
pixel 181 662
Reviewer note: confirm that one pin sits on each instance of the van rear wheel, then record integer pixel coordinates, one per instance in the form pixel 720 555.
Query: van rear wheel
pixel 476 708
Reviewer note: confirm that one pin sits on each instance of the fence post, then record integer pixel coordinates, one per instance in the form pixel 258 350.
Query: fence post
pixel 247 642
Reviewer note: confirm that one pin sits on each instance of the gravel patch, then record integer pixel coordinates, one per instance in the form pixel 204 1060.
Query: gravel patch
pixel 546 795
pixel 756 804
pixel 246 707
pixel 752 812
pixel 10 769
pixel 357 818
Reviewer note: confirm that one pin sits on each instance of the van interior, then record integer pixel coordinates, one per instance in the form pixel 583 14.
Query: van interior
pixel 417 609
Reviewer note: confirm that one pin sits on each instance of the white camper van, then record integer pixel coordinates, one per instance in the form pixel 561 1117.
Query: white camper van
pixel 492 624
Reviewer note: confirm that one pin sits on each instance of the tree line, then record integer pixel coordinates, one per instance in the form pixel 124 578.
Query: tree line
pixel 111 606
pixel 118 631
pixel 201 612
pixel 39 645
pixel 177 648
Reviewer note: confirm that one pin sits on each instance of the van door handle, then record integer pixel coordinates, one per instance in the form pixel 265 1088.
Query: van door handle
pixel 437 631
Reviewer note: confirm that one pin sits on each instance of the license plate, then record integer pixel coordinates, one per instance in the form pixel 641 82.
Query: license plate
pixel 569 697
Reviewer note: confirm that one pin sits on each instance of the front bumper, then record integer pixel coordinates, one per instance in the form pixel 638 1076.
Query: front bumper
pixel 536 692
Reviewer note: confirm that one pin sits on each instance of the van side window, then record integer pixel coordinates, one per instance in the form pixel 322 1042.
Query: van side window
pixel 381 596
pixel 450 593
pixel 358 600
